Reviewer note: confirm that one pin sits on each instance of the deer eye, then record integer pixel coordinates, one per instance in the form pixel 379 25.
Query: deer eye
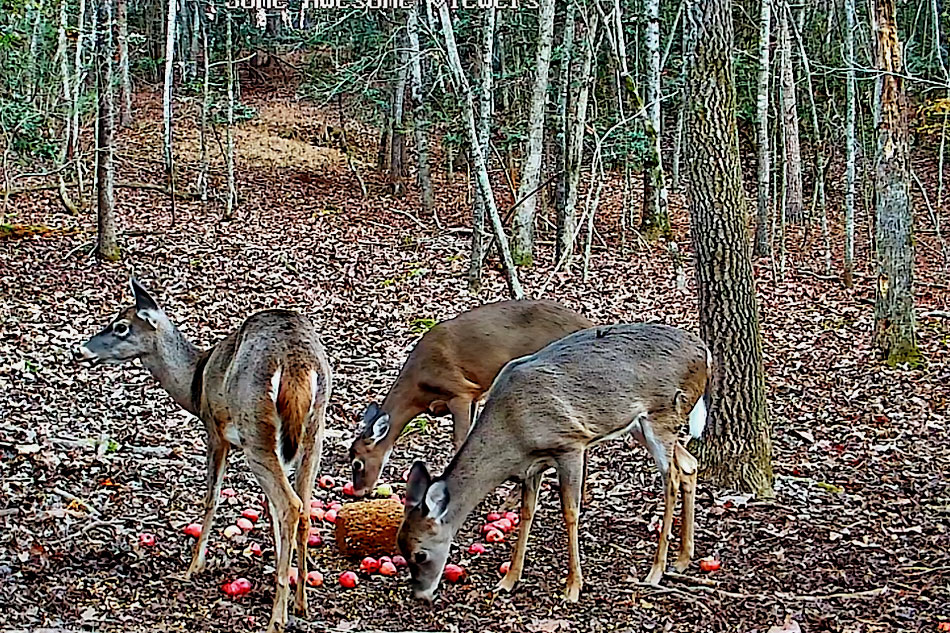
pixel 358 465
pixel 421 557
pixel 120 329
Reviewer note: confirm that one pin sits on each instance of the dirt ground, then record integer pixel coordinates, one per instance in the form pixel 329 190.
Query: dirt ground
pixel 857 538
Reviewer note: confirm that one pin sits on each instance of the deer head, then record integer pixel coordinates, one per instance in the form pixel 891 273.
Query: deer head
pixel 130 335
pixel 424 536
pixel 367 455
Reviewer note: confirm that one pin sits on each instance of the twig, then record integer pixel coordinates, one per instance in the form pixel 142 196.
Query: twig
pixel 411 217
pixel 71 497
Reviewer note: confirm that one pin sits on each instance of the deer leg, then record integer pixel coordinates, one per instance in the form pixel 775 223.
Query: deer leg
pixel 217 461
pixel 529 500
pixel 461 410
pixel 570 469
pixel 586 493
pixel 670 486
pixel 270 475
pixel 686 466
pixel 309 464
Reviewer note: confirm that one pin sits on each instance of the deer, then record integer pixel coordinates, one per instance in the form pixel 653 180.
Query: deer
pixel 263 388
pixel 449 371
pixel 544 410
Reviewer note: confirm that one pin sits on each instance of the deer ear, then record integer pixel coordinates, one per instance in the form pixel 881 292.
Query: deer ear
pixel 437 500
pixel 143 300
pixel 380 428
pixel 417 485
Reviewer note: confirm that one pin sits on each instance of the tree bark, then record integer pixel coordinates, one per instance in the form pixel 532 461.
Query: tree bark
pixel 78 75
pixel 484 184
pixel 108 247
pixel 655 219
pixel 168 87
pixel 793 156
pixel 762 133
pixel 565 225
pixel 522 245
pixel 894 319
pixel 419 120
pixel 736 450
pixel 125 80
pixel 229 132
pixel 850 143
pixel 484 137
pixel 397 159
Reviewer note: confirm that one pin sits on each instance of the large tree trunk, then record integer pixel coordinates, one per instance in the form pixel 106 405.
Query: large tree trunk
pixel 229 132
pixel 484 137
pixel 397 159
pixel 125 80
pixel 565 225
pixel 850 143
pixel 522 245
pixel 481 170
pixel 108 247
pixel 736 451
pixel 762 247
pixel 894 322
pixel 655 219
pixel 793 156
pixel 419 122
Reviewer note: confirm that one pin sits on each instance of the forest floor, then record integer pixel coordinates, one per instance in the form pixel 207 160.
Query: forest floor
pixel 856 539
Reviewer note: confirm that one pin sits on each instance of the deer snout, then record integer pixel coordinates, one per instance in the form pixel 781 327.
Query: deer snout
pixel 426 595
pixel 82 354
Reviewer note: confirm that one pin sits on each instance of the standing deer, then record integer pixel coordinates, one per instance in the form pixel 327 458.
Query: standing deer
pixel 264 388
pixel 545 410
pixel 450 369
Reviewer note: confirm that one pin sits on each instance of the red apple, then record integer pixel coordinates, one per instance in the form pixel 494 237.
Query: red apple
pixel 335 505
pixel 495 536
pixel 504 567
pixel 476 548
pixel 386 568
pixel 193 530
pixel 492 517
pixel 314 578
pixel 513 517
pixel 314 538
pixel 453 573
pixel 348 489
pixel 255 549
pixel 385 559
pixel 504 525
pixel 244 524
pixel 147 539
pixel 327 482
pixel 317 514
pixel 943 626
pixel 237 588
pixel 330 516
pixel 488 527
pixel 369 565
pixel 228 492
pixel 709 564
pixel 251 515
pixel 316 503
pixel 399 561
pixel 349 579
pixel 231 531
pixel 292 577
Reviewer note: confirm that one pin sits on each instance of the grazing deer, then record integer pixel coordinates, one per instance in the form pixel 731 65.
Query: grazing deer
pixel 544 410
pixel 264 388
pixel 450 369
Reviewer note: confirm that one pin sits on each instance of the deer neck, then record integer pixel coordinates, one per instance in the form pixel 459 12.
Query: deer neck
pixel 401 405
pixel 487 458
pixel 174 364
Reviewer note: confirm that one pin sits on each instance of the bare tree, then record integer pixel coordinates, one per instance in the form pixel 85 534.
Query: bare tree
pixel 419 120
pixel 850 142
pixel 169 86
pixel 793 153
pixel 397 146
pixel 125 79
pixel 522 245
pixel 481 170
pixel 736 451
pixel 229 133
pixel 894 320
pixel 655 220
pixel 108 247
pixel 484 138
pixel 565 224
pixel 762 247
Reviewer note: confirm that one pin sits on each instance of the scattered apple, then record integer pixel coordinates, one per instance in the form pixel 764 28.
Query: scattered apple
pixel 193 530
pixel 385 559
pixel 327 482
pixel 292 577
pixel 369 565
pixel 492 517
pixel 231 531
pixel 709 564
pixel 386 568
pixel 237 588
pixel 488 527
pixel 349 579
pixel 244 524
pixel 453 573
pixel 314 538
pixel 335 505
pixel 495 536
pixel 943 626
pixel 383 490
pixel 254 549
pixel 348 489
pixel 317 514
pixel 147 539
pixel 330 515
pixel 504 525
pixel 316 503
pixel 513 517
pixel 251 515
pixel 476 548
pixel 504 567
pixel 314 578
pixel 399 561
pixel 228 492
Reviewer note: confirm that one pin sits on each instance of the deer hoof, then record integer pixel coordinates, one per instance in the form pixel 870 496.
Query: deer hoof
pixel 507 583
pixel 573 591
pixel 681 564
pixel 654 577
pixel 300 604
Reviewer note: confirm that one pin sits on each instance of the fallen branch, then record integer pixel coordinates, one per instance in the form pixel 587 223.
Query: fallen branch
pixel 74 499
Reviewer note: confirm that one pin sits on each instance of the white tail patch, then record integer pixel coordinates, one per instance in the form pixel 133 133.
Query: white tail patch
pixel 697 418
pixel 275 384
